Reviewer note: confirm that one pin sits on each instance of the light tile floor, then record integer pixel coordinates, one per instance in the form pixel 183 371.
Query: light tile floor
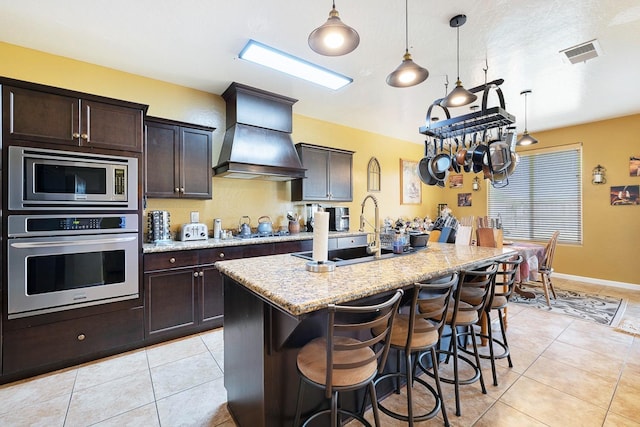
pixel 566 372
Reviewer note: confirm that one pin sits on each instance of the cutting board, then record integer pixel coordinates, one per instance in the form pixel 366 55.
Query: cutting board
pixel 485 237
pixel 463 235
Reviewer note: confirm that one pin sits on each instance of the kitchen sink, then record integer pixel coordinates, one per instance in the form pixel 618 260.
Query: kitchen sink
pixel 347 256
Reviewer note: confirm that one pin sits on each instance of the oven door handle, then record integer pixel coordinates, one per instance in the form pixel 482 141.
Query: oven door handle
pixel 72 242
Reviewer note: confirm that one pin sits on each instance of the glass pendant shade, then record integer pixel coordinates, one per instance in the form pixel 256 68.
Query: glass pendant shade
pixel 334 38
pixel 458 97
pixel 407 74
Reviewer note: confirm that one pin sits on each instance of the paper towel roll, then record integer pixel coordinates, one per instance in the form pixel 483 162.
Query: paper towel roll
pixel 320 236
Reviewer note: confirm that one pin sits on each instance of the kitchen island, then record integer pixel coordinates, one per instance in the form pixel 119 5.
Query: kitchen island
pixel 274 306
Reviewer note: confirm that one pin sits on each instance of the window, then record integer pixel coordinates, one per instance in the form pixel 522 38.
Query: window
pixel 544 195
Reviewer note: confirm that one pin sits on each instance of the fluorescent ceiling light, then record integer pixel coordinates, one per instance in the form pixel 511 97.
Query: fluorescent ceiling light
pixel 273 58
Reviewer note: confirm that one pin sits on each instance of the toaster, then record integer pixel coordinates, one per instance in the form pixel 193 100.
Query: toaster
pixel 193 231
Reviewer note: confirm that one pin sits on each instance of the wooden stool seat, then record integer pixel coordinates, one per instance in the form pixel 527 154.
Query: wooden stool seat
pixel 312 362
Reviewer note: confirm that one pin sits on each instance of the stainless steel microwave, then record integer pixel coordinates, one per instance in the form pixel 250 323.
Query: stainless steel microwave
pixel 42 179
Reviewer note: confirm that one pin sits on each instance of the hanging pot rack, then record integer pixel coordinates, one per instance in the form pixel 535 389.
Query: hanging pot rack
pixel 472 123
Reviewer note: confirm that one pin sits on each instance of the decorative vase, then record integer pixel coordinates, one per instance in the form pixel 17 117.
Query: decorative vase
pixel 294 227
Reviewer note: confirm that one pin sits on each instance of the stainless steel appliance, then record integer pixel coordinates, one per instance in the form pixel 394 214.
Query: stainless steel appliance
pixel 338 218
pixel 158 226
pixel 42 179
pixel 193 231
pixel 59 262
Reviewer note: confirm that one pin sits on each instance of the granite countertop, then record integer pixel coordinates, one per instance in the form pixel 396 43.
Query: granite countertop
pixel 284 281
pixel 176 245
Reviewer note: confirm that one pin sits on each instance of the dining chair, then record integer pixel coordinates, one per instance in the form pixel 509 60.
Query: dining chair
pixel 339 362
pixel 546 268
pixel 419 331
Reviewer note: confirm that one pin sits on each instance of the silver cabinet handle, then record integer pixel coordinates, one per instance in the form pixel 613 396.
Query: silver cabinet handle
pixel 81 337
pixel 84 136
pixel 195 274
pixel 172 260
pixel 221 255
pixel 72 242
pixel 75 135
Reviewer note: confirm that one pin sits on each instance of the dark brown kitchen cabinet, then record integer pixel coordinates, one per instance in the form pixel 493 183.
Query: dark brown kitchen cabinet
pixel 36 113
pixel 328 174
pixel 178 158
pixel 183 291
pixel 62 343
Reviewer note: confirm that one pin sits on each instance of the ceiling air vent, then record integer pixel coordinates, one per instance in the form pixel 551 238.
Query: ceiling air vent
pixel 582 52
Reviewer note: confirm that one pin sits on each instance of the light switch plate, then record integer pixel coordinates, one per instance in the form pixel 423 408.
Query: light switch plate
pixel 195 216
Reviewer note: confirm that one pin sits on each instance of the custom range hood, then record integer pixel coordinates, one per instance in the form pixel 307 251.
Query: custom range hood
pixel 257 143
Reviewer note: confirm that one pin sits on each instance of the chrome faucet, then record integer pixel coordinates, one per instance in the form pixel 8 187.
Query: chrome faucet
pixel 374 247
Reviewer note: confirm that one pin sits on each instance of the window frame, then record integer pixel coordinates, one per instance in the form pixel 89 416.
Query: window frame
pixel 558 205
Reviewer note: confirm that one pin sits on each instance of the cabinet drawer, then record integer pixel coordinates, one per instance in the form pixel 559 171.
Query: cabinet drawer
pixel 43 345
pixel 351 241
pixel 165 260
pixel 209 256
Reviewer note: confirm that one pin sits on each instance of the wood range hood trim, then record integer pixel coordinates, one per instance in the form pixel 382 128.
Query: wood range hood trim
pixel 257 143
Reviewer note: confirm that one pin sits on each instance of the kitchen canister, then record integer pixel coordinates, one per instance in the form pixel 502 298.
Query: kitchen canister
pixel 217 228
pixel 159 223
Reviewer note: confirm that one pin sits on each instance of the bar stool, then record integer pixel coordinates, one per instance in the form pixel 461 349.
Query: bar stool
pixel 465 315
pixel 339 362
pixel 416 332
pixel 498 301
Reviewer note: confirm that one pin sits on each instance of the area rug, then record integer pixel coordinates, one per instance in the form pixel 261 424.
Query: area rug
pixel 601 309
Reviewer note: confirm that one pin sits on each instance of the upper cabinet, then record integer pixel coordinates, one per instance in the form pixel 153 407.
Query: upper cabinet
pixel 177 159
pixel 328 174
pixel 36 113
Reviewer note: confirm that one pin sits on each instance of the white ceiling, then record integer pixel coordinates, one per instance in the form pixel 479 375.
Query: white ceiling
pixel 195 43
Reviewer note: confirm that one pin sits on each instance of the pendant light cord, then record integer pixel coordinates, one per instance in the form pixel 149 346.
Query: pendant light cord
pixel 406 26
pixel 458 49
pixel 525 112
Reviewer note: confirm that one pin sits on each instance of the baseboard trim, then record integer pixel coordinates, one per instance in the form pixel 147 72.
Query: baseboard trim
pixel 631 286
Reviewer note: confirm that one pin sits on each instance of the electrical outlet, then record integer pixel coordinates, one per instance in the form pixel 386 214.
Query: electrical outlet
pixel 195 216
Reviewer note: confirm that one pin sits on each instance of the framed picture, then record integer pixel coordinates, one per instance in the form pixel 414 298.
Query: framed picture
pixel 456 180
pixel 634 166
pixel 464 199
pixel 625 195
pixel 410 184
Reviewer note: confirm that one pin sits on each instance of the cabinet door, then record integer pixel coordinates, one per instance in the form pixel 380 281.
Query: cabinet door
pixel 211 298
pixel 340 185
pixel 39 116
pixel 170 301
pixel 161 157
pixel 111 126
pixel 195 163
pixel 316 185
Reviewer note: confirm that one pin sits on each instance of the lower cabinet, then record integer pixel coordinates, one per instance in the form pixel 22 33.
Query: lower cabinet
pixel 52 344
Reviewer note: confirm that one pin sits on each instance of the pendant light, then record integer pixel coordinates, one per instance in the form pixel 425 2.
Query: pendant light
pixel 459 96
pixel 333 38
pixel 408 72
pixel 526 138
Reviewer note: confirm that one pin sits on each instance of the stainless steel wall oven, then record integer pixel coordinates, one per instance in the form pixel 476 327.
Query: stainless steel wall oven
pixel 61 261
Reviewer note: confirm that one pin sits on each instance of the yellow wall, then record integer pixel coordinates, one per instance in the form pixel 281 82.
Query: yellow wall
pixel 610 233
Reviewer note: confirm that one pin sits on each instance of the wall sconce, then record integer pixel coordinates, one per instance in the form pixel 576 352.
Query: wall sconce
pixel 598 175
pixel 475 185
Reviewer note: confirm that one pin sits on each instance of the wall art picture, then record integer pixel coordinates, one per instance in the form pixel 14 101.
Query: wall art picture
pixel 464 199
pixel 625 195
pixel 410 184
pixel 634 166
pixel 456 180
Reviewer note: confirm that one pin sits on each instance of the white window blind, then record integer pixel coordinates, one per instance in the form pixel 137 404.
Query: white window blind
pixel 544 195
